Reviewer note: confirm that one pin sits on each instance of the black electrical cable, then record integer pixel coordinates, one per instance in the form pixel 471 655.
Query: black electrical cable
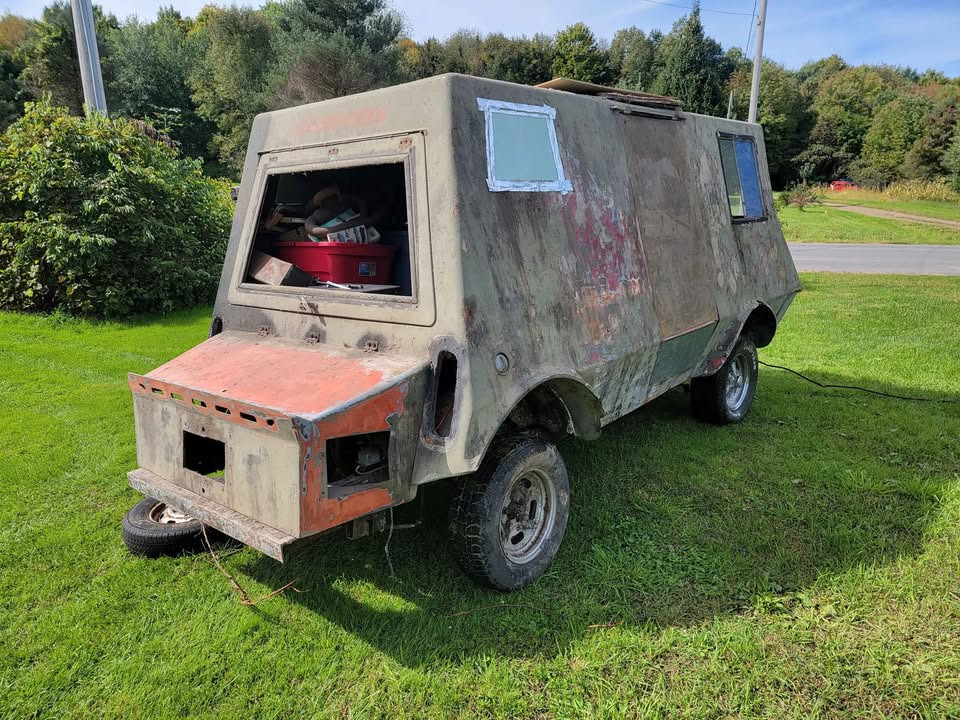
pixel 857 387
pixel 702 9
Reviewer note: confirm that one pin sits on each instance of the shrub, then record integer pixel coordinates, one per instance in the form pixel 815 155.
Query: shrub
pixel 97 218
pixel 938 189
pixel 800 195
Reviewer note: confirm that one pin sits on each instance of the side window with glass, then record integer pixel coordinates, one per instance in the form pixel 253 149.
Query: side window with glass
pixel 738 157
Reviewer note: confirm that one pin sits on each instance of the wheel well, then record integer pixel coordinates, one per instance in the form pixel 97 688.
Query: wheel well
pixel 559 407
pixel 761 324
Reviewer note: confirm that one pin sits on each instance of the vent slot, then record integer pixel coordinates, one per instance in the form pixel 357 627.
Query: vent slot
pixel 203 455
pixel 444 393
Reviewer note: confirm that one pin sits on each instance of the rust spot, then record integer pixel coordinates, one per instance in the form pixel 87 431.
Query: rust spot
pixel 373 415
pixel 358 504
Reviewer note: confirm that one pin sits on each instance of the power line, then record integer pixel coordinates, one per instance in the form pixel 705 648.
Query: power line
pixel 753 15
pixel 684 7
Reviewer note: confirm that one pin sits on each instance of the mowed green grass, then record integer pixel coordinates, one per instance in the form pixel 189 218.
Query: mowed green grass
pixel 823 224
pixel 928 208
pixel 805 563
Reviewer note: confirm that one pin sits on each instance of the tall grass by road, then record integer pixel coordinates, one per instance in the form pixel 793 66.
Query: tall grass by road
pixel 802 564
pixel 824 224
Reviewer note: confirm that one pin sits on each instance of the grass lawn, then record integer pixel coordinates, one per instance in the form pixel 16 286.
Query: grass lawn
pixel 803 564
pixel 929 208
pixel 822 224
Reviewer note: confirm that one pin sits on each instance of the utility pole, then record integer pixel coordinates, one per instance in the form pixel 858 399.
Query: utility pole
pixel 94 99
pixel 757 60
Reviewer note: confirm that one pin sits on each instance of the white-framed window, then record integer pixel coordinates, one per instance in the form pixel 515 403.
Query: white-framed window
pixel 522 150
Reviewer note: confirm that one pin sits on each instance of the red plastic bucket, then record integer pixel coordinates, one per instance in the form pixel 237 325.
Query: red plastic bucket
pixel 340 262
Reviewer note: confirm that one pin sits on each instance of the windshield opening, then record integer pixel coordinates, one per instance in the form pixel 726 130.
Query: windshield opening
pixel 343 229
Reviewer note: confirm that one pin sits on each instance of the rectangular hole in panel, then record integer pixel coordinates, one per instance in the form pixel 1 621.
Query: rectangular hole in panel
pixel 203 455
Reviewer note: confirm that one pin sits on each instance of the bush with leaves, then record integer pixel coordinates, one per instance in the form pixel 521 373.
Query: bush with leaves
pixel 799 196
pixel 98 219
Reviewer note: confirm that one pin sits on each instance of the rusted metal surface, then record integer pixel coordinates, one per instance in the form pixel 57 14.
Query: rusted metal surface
pixel 274 404
pixel 605 296
pixel 264 538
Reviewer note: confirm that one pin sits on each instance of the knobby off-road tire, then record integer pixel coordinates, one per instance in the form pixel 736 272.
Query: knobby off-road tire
pixel 152 529
pixel 508 520
pixel 726 396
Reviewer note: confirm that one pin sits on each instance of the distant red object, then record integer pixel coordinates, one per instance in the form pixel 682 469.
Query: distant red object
pixel 843 185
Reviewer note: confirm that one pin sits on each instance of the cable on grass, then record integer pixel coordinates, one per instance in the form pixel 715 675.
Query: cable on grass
pixel 858 388
pixel 386 545
pixel 245 598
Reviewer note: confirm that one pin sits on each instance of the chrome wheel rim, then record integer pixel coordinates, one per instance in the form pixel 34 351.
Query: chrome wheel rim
pixel 738 382
pixel 163 514
pixel 527 516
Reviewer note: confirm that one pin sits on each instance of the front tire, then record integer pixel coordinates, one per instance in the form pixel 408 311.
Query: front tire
pixel 509 518
pixel 726 396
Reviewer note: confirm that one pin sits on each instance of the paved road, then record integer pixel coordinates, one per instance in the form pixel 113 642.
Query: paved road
pixel 895 215
pixel 894 259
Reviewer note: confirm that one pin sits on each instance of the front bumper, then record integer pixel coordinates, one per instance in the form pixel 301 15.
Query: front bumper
pixel 234 433
pixel 264 538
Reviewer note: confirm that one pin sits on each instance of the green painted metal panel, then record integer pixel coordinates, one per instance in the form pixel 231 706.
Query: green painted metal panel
pixel 522 149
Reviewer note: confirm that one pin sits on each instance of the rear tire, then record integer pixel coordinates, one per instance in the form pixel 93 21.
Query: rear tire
pixel 152 529
pixel 509 518
pixel 726 396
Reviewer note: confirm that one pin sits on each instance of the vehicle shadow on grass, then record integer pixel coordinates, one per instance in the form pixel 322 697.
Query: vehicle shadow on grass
pixel 672 523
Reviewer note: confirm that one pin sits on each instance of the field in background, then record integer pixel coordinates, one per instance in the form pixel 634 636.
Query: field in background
pixel 801 564
pixel 943 210
pixel 824 224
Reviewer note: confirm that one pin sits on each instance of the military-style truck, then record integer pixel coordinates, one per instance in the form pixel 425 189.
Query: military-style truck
pixel 442 279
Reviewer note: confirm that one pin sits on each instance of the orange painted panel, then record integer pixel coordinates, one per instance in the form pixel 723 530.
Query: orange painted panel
pixel 296 379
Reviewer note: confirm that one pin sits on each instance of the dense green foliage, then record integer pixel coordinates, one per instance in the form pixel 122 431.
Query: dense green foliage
pixel 150 65
pixel 577 56
pixel 203 79
pixel 803 564
pixel 97 218
pixel 693 68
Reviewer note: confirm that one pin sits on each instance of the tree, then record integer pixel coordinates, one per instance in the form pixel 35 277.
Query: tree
pixel 150 64
pixel 330 48
pixel 694 69
pixel 813 74
pixel 781 110
pixel 421 60
pixel 521 60
pixel 370 22
pixel 924 159
pixel 578 56
pixel 632 56
pixel 50 58
pixel 462 53
pixel 11 105
pixel 229 81
pixel 329 66
pixel 951 160
pixel 894 129
pixel 15 31
pixel 844 107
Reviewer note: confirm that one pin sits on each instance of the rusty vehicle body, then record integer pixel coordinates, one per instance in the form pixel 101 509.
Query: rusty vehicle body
pixel 540 301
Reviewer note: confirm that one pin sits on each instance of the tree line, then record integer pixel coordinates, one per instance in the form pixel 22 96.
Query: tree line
pixel 201 80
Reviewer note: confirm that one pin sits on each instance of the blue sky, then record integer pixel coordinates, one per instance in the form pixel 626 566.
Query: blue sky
pixel 921 34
